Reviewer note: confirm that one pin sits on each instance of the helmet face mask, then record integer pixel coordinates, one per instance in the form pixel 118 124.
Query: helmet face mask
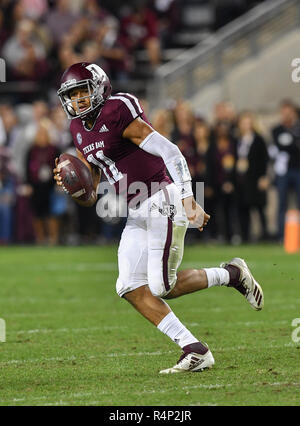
pixel 71 106
pixel 83 76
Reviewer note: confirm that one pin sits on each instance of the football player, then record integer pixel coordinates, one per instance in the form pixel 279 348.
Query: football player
pixel 112 134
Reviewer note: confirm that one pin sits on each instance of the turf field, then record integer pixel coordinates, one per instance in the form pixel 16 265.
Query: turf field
pixel 72 341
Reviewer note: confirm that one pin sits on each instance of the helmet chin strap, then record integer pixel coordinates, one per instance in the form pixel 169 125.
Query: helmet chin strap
pixel 91 116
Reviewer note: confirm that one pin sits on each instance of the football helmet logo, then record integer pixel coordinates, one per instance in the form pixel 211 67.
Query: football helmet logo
pixel 84 75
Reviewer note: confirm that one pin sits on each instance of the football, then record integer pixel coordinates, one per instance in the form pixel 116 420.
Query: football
pixel 76 177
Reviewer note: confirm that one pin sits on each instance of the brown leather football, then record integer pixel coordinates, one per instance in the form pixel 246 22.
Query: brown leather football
pixel 76 177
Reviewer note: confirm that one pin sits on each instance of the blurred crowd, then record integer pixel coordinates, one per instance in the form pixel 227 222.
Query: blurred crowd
pixel 40 38
pixel 229 153
pixel 239 163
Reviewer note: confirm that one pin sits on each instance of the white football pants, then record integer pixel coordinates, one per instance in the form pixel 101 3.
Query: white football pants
pixel 152 243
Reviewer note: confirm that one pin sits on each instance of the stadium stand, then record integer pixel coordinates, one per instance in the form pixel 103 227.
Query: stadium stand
pixel 182 50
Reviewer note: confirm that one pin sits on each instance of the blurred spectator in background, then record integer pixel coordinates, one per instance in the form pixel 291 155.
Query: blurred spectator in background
pixel 251 177
pixel 182 134
pixel 202 173
pixel 225 114
pixel 222 166
pixel 139 30
pixel 7 197
pixel 168 14
pixel 40 163
pixel 285 152
pixel 8 122
pixel 94 38
pixel 60 20
pixel 111 50
pixel 3 29
pixel 162 122
pixel 61 132
pixel 34 9
pixel 202 138
pixel 25 53
pixel 25 122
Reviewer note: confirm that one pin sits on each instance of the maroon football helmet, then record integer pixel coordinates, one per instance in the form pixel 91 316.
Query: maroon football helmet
pixel 84 75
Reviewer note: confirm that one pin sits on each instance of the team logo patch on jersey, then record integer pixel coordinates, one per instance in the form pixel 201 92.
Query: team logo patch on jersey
pixel 167 209
pixel 79 138
pixel 103 129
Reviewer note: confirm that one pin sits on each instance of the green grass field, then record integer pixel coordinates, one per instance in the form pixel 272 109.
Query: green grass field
pixel 72 341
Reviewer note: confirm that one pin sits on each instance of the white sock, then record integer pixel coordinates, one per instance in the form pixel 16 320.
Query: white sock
pixel 172 327
pixel 217 276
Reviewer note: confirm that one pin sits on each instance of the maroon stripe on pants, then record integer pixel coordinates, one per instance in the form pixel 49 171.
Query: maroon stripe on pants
pixel 167 246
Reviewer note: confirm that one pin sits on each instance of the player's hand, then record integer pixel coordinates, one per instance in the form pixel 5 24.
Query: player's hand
pixel 58 178
pixel 90 202
pixel 56 174
pixel 195 214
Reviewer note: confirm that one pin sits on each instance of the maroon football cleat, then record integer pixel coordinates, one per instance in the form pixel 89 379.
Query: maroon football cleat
pixel 242 280
pixel 196 357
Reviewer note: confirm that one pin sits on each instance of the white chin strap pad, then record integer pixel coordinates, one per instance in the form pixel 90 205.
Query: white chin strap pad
pixel 158 145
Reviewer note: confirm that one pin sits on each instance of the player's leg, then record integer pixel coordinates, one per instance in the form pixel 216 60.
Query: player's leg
pixel 132 282
pixel 132 285
pixel 166 234
pixel 196 355
pixel 234 274
pixel 166 228
pixel 132 258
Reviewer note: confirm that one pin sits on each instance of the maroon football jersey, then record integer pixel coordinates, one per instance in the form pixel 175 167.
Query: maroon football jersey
pixel 122 162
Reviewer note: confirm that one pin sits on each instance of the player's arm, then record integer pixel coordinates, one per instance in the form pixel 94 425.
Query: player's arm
pixel 143 135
